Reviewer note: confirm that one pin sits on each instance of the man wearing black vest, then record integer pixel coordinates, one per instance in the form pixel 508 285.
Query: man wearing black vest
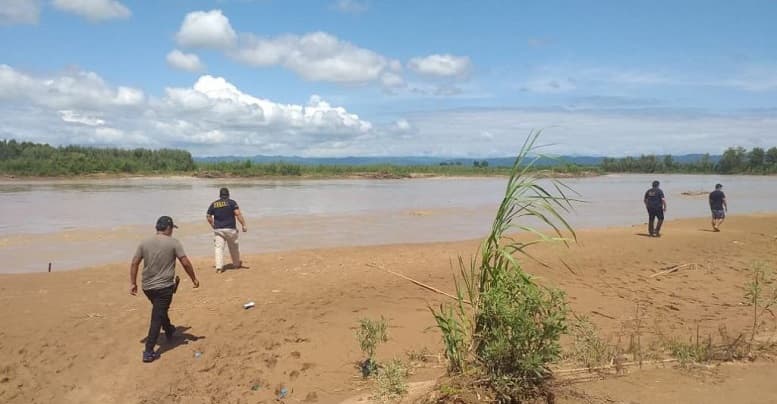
pixel 221 216
pixel 656 206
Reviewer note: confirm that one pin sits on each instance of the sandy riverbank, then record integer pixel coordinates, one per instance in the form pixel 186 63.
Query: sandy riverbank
pixel 74 337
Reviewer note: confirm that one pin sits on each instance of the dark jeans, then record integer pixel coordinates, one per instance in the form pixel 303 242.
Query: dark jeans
pixel 653 214
pixel 160 300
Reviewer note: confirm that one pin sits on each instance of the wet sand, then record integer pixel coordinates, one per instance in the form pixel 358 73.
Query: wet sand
pixel 75 336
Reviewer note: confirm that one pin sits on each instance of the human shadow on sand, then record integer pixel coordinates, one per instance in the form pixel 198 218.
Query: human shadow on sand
pixel 642 234
pixel 181 337
pixel 709 230
pixel 232 267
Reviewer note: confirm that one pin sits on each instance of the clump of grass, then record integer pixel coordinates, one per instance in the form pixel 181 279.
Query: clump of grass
pixel 504 324
pixel 757 296
pixel 391 381
pixel 732 348
pixel 421 355
pixel 370 334
pixel 635 335
pixel 588 348
pixel 455 328
pixel 691 351
pixel 449 390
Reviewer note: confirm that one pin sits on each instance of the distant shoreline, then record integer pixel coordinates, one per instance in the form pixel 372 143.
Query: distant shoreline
pixel 367 175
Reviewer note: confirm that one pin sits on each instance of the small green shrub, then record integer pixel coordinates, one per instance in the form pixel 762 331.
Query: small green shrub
pixel 691 352
pixel 522 323
pixel 370 334
pixel 391 381
pixel 588 348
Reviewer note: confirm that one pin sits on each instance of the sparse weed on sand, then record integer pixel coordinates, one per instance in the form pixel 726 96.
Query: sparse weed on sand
pixel 759 297
pixel 423 355
pixel 391 381
pixel 692 351
pixel 589 349
pixel 370 334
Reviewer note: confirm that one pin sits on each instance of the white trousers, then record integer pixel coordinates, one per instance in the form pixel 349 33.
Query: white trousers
pixel 228 237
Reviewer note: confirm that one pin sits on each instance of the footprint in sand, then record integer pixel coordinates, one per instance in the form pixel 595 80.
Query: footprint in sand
pixel 272 345
pixel 270 360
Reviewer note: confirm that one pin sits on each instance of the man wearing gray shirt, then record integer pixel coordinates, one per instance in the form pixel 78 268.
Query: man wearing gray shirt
pixel 158 254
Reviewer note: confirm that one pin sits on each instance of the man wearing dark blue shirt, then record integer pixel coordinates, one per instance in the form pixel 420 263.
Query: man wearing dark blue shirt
pixel 656 206
pixel 221 215
pixel 718 207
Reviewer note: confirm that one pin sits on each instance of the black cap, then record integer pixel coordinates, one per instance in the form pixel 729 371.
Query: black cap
pixel 655 183
pixel 224 193
pixel 717 186
pixel 164 222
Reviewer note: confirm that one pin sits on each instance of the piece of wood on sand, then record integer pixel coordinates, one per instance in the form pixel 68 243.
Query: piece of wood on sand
pixel 675 268
pixel 421 284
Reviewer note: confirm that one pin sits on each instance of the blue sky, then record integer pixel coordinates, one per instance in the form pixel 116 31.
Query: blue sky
pixel 366 77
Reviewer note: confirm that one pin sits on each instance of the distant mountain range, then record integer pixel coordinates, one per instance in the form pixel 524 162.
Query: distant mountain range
pixel 425 161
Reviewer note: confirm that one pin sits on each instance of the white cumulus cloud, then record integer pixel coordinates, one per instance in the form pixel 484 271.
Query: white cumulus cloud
pixel 206 29
pixel 441 65
pixel 75 117
pixel 74 89
pixel 184 61
pixel 211 117
pixel 94 10
pixel 320 56
pixel 19 11
pixel 316 56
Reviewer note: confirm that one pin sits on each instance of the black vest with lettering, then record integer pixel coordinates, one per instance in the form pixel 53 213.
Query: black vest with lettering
pixel 223 211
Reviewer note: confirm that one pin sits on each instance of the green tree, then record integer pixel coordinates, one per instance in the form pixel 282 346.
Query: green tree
pixel 756 158
pixel 771 156
pixel 705 163
pixel 669 163
pixel 732 160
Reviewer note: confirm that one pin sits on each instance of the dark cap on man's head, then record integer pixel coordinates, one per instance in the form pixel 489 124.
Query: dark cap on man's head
pixel 718 186
pixel 655 183
pixel 164 222
pixel 224 193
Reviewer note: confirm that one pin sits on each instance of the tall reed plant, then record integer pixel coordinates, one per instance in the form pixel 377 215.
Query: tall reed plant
pixel 503 324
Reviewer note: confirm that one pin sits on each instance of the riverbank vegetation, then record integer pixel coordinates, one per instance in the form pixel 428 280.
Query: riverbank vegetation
pixel 735 160
pixel 32 159
pixel 26 159
pixel 281 169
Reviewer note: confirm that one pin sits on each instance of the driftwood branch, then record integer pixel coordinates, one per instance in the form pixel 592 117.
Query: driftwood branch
pixel 675 268
pixel 613 366
pixel 419 283
pixel 599 313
